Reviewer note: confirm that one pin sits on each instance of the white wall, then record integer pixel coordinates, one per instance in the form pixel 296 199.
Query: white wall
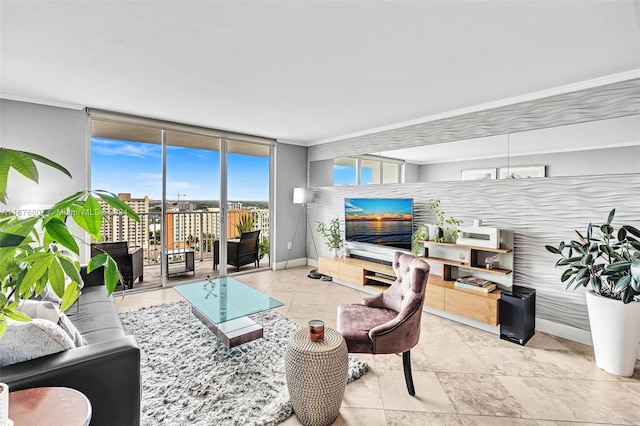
pixel 591 162
pixel 56 133
pixel 291 172
pixel 59 134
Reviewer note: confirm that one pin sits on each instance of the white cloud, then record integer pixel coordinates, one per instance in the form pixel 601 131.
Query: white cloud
pixel 131 149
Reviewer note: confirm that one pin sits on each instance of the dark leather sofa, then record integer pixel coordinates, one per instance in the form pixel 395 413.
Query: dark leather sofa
pixel 107 370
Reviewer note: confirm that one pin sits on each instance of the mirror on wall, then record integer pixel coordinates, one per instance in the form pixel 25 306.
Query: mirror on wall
pixel 601 147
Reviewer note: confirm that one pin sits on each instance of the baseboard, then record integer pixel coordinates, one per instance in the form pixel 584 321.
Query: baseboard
pixel 564 331
pixel 568 332
pixel 290 264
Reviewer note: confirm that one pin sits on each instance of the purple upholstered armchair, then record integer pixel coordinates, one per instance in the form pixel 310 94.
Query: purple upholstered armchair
pixel 389 322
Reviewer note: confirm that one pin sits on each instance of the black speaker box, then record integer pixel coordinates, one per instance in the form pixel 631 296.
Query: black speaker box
pixel 517 307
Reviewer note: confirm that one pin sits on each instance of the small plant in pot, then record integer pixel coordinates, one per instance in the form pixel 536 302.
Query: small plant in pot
pixel 421 234
pixel 609 263
pixel 331 234
pixel 446 228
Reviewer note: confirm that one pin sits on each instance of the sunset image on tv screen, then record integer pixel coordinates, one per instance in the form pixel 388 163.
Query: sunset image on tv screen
pixel 384 221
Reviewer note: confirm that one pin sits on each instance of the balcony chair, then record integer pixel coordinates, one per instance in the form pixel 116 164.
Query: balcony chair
pixel 240 252
pixel 389 322
pixel 129 263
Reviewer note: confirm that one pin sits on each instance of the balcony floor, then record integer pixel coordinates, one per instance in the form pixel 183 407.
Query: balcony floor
pixel 204 267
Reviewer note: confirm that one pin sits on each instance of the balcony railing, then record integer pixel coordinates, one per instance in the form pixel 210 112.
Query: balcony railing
pixel 186 231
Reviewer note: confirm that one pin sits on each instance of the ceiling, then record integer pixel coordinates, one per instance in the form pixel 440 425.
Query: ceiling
pixel 307 72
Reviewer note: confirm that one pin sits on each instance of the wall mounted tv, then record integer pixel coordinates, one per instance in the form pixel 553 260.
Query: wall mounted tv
pixel 383 221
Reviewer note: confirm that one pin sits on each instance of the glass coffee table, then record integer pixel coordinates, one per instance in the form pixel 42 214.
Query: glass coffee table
pixel 224 305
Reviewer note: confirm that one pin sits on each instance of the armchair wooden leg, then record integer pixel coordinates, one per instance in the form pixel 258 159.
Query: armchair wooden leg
pixel 406 363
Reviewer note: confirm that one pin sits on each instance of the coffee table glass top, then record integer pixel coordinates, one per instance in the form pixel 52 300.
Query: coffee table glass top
pixel 225 299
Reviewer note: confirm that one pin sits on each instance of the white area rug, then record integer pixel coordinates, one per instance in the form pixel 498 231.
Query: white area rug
pixel 190 377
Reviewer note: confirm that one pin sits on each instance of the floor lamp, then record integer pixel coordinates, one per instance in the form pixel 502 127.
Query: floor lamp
pixel 302 196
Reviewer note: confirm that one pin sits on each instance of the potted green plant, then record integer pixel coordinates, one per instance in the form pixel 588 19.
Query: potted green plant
pixel 446 228
pixel 609 263
pixel 331 234
pixel 245 223
pixel 421 234
pixel 263 247
pixel 39 250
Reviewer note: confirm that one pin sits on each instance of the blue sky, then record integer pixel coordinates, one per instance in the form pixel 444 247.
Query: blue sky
pixel 378 206
pixel 123 166
pixel 346 175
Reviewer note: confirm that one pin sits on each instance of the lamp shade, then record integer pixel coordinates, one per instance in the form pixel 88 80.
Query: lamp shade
pixel 302 195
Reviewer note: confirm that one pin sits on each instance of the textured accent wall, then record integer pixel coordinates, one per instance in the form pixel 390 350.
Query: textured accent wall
pixel 598 103
pixel 540 211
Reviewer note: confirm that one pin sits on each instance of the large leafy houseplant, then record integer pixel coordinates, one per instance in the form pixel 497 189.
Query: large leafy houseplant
pixel 607 260
pixel 39 250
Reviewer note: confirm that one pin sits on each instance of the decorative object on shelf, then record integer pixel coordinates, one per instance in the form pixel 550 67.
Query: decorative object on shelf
pixel 480 236
pixel 316 330
pixel 331 234
pixel 449 228
pixel 610 263
pixel 433 232
pixel 477 222
pixel 421 234
pixel 488 288
pixel 474 281
pixel 29 260
pixel 342 252
pixel 522 172
pixel 492 261
pixel 478 174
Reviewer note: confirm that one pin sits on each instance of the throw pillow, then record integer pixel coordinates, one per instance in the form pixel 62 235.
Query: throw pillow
pixel 49 295
pixel 23 341
pixel 49 311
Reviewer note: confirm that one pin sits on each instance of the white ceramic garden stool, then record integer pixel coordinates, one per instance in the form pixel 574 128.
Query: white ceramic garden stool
pixel 316 376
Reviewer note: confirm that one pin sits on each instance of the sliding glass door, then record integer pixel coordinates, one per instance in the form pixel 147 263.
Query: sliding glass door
pixel 192 190
pixel 248 208
pixel 192 203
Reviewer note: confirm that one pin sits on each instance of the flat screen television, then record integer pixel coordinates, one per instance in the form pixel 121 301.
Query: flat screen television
pixel 382 221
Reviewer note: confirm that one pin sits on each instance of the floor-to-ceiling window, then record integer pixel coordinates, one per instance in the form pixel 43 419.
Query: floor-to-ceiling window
pixel 193 189
pixel 248 212
pixel 366 170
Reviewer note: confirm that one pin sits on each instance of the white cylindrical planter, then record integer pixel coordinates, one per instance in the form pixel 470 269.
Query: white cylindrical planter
pixel 4 404
pixel 615 330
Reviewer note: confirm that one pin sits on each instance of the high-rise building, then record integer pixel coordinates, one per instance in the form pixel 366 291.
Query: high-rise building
pixel 117 226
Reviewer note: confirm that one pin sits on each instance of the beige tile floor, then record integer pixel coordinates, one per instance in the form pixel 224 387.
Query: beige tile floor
pixel 462 375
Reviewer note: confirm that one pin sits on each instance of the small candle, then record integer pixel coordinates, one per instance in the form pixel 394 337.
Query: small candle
pixel 316 330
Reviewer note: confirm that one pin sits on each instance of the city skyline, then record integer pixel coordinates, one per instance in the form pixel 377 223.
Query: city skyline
pixel 122 166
